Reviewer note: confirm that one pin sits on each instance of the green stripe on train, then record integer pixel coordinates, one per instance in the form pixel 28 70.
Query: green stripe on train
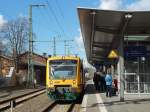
pixel 65 96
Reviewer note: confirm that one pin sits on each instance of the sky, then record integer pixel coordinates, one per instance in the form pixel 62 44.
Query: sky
pixel 59 19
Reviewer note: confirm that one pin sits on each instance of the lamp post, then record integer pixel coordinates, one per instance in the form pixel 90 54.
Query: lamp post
pixel 127 17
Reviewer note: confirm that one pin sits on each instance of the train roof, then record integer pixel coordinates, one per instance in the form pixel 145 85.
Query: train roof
pixel 63 57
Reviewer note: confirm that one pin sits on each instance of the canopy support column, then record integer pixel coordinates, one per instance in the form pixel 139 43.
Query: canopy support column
pixel 121 69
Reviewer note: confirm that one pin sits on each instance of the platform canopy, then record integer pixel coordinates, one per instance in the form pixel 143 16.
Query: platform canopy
pixel 102 29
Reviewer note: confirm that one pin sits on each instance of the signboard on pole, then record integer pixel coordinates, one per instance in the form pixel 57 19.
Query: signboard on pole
pixel 113 54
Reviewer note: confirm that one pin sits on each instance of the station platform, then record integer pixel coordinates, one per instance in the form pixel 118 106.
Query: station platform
pixel 94 101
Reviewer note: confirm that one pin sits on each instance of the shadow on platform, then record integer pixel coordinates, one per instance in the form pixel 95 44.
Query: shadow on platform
pixel 90 89
pixel 114 100
pixel 111 103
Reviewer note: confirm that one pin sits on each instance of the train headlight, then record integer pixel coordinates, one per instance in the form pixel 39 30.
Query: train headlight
pixel 51 82
pixel 74 82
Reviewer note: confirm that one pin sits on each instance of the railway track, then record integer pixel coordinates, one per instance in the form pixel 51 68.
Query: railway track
pixel 62 106
pixel 10 103
pixel 37 101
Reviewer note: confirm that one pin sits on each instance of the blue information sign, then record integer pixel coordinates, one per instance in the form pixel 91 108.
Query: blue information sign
pixel 135 51
pixel 148 53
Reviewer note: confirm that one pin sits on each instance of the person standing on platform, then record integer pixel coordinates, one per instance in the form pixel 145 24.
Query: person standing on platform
pixel 108 80
pixel 115 83
pixel 103 83
pixel 96 80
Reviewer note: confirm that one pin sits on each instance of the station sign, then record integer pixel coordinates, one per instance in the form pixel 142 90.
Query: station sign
pixel 135 51
pixel 113 54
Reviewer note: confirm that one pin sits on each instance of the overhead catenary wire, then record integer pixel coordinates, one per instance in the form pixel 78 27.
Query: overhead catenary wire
pixel 68 26
pixel 55 17
pixel 46 22
pixel 59 8
pixel 66 44
pixel 63 18
pixel 51 13
pixel 51 40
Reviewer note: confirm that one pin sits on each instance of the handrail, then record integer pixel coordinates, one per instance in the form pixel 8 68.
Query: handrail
pixel 13 99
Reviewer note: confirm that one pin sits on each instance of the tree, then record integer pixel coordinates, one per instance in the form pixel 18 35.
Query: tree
pixel 16 33
pixel 1 47
pixel 1 42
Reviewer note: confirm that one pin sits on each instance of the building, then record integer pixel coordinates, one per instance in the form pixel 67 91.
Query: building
pixel 127 33
pixel 5 64
pixel 39 63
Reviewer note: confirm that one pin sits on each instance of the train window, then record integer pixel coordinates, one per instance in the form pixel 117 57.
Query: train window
pixel 63 62
pixel 63 69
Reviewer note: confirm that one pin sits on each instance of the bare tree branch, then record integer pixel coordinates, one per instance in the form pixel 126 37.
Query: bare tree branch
pixel 16 32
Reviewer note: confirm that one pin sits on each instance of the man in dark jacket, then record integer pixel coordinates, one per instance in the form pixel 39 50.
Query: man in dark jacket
pixel 96 80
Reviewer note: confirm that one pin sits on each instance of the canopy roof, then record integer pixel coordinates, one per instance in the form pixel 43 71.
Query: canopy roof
pixel 102 29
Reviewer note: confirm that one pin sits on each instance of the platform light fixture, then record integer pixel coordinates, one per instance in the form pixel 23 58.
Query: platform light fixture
pixel 128 16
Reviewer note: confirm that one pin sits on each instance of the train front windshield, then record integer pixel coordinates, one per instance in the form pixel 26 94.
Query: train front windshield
pixel 63 69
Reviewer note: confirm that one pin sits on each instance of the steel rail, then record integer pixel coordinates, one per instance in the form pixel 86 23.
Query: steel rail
pixel 13 101
pixel 71 107
pixel 49 106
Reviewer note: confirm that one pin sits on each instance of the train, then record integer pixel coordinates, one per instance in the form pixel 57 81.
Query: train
pixel 65 78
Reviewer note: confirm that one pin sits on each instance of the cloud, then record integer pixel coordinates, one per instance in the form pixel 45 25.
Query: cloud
pixel 139 5
pixel 5 42
pixel 110 4
pixel 2 21
pixel 79 42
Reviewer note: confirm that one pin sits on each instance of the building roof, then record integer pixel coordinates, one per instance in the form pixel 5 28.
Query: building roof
pixel 102 29
pixel 26 53
pixel 36 61
pixel 6 57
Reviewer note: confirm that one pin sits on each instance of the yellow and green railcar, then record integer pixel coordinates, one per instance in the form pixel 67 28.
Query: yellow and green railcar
pixel 65 77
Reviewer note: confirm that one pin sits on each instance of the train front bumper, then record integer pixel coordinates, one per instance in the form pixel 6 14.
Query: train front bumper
pixel 56 94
